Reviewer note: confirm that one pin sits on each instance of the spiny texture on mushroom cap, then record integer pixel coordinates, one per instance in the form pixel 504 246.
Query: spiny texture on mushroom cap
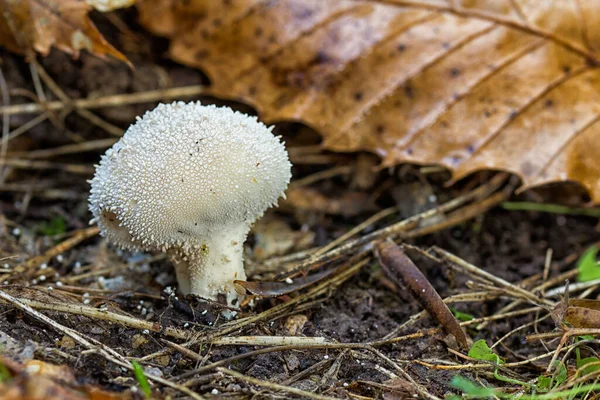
pixel 184 170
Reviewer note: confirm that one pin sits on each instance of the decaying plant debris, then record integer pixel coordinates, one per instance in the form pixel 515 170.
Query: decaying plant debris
pixel 322 318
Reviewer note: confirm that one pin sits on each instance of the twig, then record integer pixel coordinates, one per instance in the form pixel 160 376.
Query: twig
pixel 101 349
pixel 401 227
pixel 77 238
pixel 107 101
pixel 269 341
pixel 105 315
pixel 402 270
pixel 45 165
pixel 459 264
pixel 422 391
pixel 273 386
pixel 90 145
pixel 368 222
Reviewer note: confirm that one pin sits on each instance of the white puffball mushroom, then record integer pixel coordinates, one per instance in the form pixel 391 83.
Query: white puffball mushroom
pixel 190 180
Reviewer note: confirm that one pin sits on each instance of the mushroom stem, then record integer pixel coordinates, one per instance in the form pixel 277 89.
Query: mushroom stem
pixel 208 268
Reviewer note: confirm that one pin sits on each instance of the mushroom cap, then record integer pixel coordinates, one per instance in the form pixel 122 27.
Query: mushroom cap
pixel 183 171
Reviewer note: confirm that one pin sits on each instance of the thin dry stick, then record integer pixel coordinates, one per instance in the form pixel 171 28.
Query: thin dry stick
pixel 55 88
pixel 273 386
pixel 572 287
pixel 269 341
pixel 27 126
pixel 105 315
pixel 461 265
pixel 28 265
pixel 46 165
pixel 319 176
pixel 318 290
pixel 90 145
pixel 474 321
pixel 368 222
pixel 226 361
pixel 401 227
pixel 103 350
pixel 459 216
pixel 551 282
pixel 107 101
pixel 422 391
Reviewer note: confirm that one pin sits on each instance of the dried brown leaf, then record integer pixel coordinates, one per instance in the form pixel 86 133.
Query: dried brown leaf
pixel 274 289
pixel 583 313
pixel 470 85
pixel 38 380
pixel 41 24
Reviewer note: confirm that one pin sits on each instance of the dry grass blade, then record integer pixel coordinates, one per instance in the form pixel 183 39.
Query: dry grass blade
pixel 103 350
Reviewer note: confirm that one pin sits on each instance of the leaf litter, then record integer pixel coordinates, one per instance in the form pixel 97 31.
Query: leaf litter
pixel 501 85
pixel 68 300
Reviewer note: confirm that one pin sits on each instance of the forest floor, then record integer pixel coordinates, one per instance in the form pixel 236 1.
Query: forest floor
pixel 352 334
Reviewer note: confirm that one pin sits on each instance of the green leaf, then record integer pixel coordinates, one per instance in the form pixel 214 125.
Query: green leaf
pixel 140 376
pixel 55 226
pixel 471 389
pixel 5 374
pixel 543 383
pixel 461 316
pixel 591 368
pixel 587 266
pixel 561 377
pixel 481 351
pixel 586 337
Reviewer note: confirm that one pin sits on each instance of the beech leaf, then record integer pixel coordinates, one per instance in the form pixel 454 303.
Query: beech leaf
pixel 469 85
pixel 41 24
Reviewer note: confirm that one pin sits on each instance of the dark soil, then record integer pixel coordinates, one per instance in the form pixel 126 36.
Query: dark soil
pixel 511 245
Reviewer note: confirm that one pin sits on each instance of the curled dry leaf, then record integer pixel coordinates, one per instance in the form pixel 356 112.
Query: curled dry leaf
pixel 583 313
pixel 274 289
pixel 38 380
pixel 470 85
pixel 398 267
pixel 40 24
